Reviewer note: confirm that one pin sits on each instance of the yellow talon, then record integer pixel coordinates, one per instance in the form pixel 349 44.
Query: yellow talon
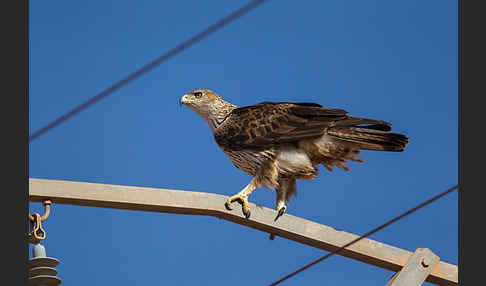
pixel 243 200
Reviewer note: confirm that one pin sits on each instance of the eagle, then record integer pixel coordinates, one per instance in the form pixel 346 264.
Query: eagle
pixel 277 143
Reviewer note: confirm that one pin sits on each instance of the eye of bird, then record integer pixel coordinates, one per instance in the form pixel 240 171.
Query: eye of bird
pixel 198 94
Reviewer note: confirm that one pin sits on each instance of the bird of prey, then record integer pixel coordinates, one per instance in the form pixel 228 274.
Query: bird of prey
pixel 279 142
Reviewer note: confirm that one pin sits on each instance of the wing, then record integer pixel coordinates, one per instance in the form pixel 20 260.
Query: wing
pixel 268 124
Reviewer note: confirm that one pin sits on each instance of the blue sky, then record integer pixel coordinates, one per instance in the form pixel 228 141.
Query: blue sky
pixel 388 60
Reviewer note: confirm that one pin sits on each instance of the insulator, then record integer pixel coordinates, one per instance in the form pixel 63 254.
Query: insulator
pixel 41 268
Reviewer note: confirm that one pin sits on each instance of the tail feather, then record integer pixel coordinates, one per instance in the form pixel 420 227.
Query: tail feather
pixel 364 123
pixel 371 137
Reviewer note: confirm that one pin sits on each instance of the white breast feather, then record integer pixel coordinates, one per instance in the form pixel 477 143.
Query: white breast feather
pixel 293 161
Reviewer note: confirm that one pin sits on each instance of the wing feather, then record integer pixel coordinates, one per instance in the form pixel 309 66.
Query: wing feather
pixel 268 124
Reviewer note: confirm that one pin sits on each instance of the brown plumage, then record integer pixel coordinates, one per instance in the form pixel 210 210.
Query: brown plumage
pixel 279 142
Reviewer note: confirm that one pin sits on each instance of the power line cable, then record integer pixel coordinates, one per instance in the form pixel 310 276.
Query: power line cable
pixel 434 198
pixel 179 48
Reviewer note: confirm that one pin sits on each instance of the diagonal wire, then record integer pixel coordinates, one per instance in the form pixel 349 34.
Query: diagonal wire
pixel 434 198
pixel 179 48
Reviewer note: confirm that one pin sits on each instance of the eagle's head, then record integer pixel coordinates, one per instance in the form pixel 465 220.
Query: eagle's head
pixel 210 106
pixel 199 99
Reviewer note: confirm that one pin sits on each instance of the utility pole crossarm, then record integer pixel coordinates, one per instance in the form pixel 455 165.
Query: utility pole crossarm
pixel 197 203
pixel 418 267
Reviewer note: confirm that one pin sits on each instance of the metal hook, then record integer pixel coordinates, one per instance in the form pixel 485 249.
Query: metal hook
pixel 37 233
pixel 47 211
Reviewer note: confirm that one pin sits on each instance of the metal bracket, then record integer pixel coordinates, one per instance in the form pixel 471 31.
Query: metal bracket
pixel 37 233
pixel 418 267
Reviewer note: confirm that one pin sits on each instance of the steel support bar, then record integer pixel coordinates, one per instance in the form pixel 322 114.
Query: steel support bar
pixel 196 203
pixel 418 267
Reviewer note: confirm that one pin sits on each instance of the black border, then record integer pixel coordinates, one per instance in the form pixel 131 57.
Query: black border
pixel 471 144
pixel 15 147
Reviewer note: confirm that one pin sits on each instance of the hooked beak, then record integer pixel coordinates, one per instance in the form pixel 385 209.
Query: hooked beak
pixel 185 99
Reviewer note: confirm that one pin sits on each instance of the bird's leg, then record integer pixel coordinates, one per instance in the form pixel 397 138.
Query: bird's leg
pixel 281 191
pixel 242 197
pixel 281 207
pixel 286 188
